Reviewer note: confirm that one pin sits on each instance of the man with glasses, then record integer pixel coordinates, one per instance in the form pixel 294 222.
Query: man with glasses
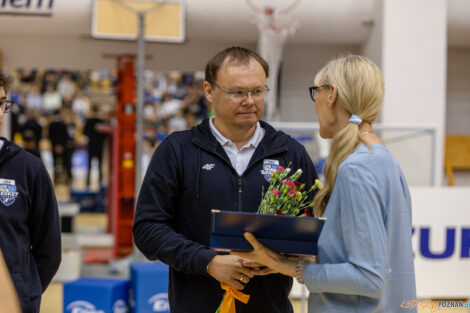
pixel 222 163
pixel 29 219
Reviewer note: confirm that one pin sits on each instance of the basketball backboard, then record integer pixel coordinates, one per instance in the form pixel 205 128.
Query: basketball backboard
pixel 117 19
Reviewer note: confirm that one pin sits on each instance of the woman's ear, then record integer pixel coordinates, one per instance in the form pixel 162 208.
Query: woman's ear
pixel 332 95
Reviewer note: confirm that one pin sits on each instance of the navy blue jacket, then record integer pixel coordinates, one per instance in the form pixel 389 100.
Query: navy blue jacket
pixel 29 224
pixel 172 220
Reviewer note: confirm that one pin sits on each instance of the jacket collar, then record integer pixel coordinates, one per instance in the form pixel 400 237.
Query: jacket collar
pixel 273 142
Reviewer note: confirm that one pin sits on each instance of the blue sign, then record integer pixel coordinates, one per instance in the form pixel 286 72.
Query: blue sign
pixel 450 243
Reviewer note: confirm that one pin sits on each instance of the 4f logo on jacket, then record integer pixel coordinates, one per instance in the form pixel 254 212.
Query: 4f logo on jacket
pixel 269 168
pixel 8 192
pixel 208 166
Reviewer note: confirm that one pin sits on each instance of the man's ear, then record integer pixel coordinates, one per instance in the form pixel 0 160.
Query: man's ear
pixel 332 95
pixel 208 90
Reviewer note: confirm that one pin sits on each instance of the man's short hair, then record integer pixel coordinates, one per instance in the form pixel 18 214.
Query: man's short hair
pixel 234 54
pixel 4 80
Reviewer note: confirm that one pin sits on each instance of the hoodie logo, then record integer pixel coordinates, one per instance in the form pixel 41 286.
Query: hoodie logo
pixel 8 192
pixel 208 166
pixel 269 168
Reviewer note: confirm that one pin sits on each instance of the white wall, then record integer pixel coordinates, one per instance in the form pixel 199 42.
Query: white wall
pixel 301 63
pixel 414 66
pixel 373 47
pixel 33 51
pixel 458 92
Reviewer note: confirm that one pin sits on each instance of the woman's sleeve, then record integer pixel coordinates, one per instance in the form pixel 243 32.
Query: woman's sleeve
pixel 364 235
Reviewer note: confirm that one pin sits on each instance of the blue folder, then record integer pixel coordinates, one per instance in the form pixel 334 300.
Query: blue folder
pixel 281 233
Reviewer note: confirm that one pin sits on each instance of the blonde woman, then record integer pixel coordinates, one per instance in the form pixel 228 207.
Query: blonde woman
pixel 365 258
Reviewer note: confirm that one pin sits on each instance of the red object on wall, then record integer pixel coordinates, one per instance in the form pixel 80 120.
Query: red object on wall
pixel 121 192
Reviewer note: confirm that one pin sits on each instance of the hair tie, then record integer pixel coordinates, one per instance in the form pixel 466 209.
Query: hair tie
pixel 355 120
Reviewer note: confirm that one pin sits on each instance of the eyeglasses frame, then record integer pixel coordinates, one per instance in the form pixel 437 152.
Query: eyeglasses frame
pixel 314 89
pixel 6 105
pixel 231 93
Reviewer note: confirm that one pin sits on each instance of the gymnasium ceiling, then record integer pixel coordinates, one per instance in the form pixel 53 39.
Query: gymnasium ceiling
pixel 321 21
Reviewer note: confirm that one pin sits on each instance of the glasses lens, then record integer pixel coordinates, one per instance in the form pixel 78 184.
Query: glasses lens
pixel 238 95
pixel 6 106
pixel 313 93
pixel 257 94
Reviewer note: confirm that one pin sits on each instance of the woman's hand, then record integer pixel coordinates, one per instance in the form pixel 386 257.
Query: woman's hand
pixel 261 255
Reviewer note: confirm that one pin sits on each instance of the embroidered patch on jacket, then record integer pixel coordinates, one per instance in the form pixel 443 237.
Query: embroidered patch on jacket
pixel 269 168
pixel 8 192
pixel 208 166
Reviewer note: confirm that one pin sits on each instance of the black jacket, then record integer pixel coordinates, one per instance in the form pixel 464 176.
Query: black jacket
pixel 172 221
pixel 29 224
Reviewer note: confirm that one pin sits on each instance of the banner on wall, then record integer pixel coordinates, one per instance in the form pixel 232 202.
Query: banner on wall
pixel 441 241
pixel 27 7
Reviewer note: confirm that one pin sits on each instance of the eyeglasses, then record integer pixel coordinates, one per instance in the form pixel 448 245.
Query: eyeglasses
pixel 240 95
pixel 6 105
pixel 314 91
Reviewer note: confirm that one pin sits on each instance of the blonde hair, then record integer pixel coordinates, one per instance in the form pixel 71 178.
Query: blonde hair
pixel 360 90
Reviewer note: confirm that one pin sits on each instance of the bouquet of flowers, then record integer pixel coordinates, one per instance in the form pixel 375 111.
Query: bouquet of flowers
pixel 286 196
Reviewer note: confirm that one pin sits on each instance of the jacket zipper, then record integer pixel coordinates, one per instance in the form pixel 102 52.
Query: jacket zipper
pixel 239 182
pixel 240 191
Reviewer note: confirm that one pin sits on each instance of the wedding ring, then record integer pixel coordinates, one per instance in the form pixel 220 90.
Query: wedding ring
pixel 241 278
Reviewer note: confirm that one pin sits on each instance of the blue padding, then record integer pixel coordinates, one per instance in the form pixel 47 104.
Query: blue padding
pixel 105 295
pixel 149 287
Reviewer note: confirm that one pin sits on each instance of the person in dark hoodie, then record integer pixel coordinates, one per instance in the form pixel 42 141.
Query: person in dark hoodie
pixel 222 163
pixel 29 219
pixel 96 140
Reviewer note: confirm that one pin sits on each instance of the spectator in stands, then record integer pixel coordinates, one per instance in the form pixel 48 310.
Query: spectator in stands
pixel 34 98
pixel 51 99
pixel 81 104
pixel 32 133
pixel 96 139
pixel 66 87
pixel 60 139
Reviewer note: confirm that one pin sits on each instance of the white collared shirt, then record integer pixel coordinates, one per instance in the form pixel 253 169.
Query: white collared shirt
pixel 239 158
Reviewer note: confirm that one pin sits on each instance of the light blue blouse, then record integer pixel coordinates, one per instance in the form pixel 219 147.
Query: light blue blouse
pixel 365 257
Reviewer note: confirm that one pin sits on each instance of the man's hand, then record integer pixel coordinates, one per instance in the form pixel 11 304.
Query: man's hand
pixel 273 261
pixel 258 269
pixel 229 269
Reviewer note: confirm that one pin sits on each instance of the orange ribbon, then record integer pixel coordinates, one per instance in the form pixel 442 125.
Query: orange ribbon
pixel 231 293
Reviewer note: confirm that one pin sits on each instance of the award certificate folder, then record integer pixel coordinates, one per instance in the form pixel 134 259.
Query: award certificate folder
pixel 281 233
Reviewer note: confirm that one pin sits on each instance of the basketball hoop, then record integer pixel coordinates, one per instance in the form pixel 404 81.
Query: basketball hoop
pixel 274 27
